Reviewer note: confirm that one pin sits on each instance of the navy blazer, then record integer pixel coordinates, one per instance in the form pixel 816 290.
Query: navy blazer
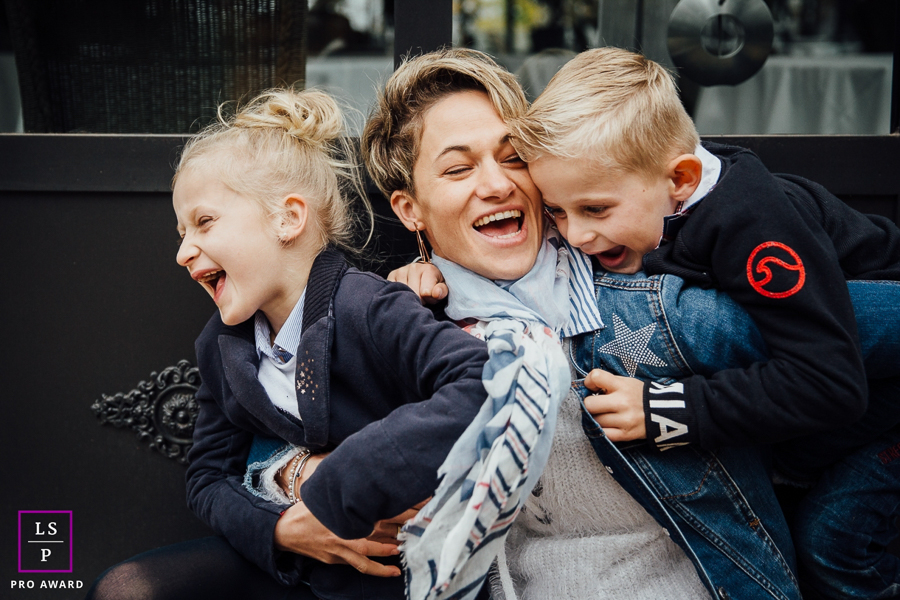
pixel 380 382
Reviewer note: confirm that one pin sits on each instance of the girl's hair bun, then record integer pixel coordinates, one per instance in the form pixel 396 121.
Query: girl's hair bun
pixel 285 142
pixel 309 116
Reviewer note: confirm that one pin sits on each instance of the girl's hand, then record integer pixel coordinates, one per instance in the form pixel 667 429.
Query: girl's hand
pixel 299 531
pixel 424 279
pixel 386 531
pixel 619 409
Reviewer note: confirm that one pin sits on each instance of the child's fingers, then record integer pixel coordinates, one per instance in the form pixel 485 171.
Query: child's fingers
pixel 601 381
pixel 620 428
pixel 400 275
pixel 431 276
pixel 620 414
pixel 432 288
pixel 439 291
pixel 422 278
pixel 600 404
pixel 617 435
pixel 613 421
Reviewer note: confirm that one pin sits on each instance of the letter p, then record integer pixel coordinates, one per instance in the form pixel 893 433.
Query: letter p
pixel 45 552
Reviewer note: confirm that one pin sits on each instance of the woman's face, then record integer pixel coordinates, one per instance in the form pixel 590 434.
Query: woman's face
pixel 473 192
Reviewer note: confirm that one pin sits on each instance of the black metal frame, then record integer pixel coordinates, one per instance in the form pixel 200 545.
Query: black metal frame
pixel 895 87
pixel 421 26
pixel 852 167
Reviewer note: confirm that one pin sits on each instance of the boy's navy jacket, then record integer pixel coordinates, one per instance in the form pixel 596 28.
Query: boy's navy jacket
pixel 377 374
pixel 783 248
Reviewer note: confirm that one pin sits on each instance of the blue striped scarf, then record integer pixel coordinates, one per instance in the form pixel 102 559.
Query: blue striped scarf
pixel 449 546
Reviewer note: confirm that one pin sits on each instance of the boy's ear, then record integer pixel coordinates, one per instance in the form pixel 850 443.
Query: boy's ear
pixel 406 209
pixel 685 173
pixel 294 216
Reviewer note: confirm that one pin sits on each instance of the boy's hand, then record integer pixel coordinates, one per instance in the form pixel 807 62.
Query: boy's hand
pixel 299 531
pixel 620 408
pixel 424 279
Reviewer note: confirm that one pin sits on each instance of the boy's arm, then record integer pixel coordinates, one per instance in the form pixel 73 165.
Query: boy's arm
pixel 785 273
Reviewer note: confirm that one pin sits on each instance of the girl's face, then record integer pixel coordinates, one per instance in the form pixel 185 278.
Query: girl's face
pixel 230 249
pixel 473 192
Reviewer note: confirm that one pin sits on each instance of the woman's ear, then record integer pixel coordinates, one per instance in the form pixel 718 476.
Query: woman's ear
pixel 406 209
pixel 685 172
pixel 294 217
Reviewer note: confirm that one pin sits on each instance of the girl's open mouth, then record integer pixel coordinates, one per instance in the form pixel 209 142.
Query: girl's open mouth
pixel 504 224
pixel 214 281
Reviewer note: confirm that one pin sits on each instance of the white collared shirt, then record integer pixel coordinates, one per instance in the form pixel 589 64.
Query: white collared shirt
pixel 277 363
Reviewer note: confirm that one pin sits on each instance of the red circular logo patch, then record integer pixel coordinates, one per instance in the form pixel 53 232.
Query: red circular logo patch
pixel 764 265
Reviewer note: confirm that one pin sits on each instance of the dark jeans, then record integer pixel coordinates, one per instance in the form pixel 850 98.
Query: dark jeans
pixel 844 524
pixel 203 569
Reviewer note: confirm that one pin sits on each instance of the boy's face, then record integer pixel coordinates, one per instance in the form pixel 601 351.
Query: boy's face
pixel 614 216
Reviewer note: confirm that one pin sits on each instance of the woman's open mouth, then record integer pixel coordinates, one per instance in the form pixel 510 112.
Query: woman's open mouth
pixel 500 225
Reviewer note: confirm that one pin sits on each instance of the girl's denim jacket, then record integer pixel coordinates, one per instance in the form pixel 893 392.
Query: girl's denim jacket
pixel 719 507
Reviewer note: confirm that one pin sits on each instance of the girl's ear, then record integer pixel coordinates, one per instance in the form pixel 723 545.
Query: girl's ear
pixel 685 173
pixel 406 209
pixel 294 217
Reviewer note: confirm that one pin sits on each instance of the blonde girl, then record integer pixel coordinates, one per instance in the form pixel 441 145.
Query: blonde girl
pixel 305 350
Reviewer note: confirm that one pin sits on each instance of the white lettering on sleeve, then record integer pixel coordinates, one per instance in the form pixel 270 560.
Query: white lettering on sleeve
pixel 675 388
pixel 668 428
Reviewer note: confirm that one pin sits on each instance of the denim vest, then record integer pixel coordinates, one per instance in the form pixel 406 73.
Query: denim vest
pixel 719 507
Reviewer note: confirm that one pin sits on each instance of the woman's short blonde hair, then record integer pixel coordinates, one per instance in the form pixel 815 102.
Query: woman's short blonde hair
pixel 286 142
pixel 391 137
pixel 619 109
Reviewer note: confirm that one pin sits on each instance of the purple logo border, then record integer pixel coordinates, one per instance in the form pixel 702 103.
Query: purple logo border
pixel 19 547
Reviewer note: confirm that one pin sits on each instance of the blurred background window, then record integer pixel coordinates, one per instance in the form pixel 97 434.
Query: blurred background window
pixel 161 66
pixel 829 71
pixel 350 45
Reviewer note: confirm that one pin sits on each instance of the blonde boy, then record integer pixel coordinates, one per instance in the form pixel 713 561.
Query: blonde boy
pixel 623 176
pixel 626 180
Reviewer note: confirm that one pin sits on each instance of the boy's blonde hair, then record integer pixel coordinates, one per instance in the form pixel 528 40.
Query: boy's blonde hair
pixel 619 109
pixel 391 137
pixel 280 143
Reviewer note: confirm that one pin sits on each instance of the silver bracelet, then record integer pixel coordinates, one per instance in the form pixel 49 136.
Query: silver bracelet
pixel 298 471
pixel 295 462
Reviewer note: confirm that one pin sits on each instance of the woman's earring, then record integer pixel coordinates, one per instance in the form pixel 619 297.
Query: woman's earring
pixel 423 251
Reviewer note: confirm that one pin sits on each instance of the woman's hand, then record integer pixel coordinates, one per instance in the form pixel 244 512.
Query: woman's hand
pixel 284 476
pixel 425 279
pixel 386 531
pixel 619 410
pixel 299 531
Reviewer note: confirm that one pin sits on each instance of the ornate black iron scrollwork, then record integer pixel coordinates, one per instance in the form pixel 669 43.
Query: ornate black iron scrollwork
pixel 162 411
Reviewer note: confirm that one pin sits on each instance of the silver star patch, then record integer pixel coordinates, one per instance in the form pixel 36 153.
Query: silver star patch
pixel 631 346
